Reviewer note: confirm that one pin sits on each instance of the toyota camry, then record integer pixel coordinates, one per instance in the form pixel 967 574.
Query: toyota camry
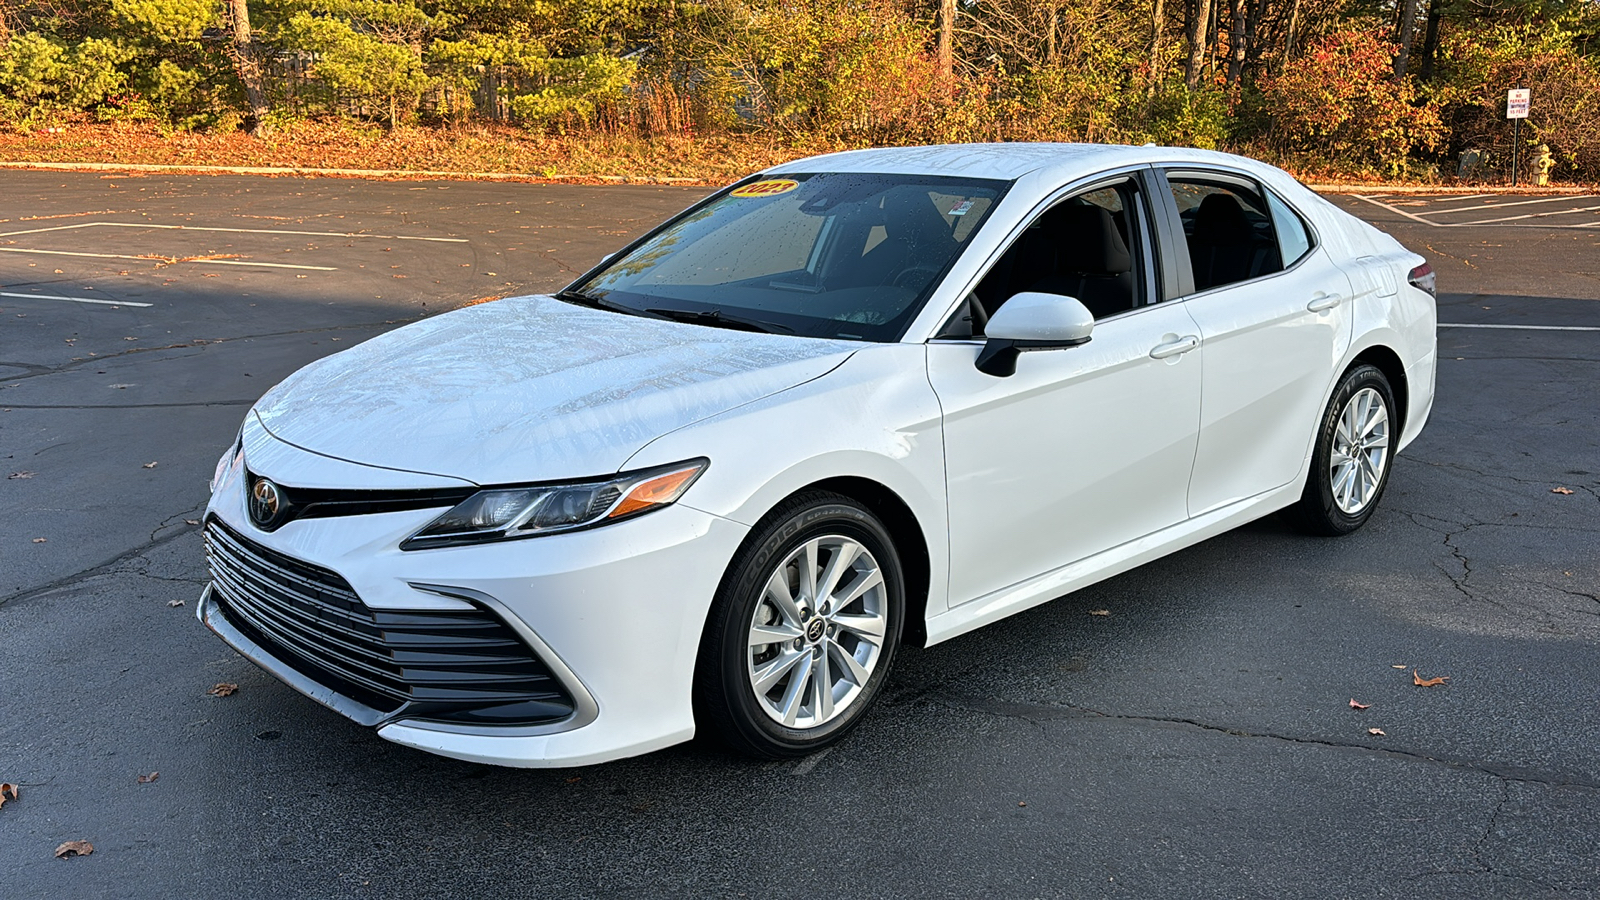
pixel 849 403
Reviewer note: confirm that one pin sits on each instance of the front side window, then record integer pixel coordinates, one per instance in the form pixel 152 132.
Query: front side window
pixel 1088 247
pixel 838 255
pixel 1229 232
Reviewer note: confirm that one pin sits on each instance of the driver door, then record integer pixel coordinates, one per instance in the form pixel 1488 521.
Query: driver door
pixel 1082 449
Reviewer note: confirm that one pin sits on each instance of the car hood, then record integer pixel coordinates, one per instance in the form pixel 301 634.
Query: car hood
pixel 530 389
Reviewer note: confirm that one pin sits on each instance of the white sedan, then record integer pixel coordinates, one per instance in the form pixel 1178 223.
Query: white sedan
pixel 850 402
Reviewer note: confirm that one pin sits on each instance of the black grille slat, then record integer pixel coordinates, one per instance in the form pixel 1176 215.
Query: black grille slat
pixel 462 665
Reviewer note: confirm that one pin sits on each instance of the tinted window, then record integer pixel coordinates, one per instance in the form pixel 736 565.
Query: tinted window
pixel 1294 240
pixel 1229 232
pixel 843 255
pixel 1087 247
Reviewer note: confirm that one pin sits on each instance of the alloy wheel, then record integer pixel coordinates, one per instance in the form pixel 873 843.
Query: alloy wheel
pixel 1360 451
pixel 817 632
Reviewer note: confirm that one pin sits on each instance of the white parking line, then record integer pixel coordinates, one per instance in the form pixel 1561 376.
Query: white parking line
pixel 170 259
pixel 1564 212
pixel 1496 221
pixel 73 299
pixel 347 234
pixel 1395 210
pixel 1523 327
pixel 1568 198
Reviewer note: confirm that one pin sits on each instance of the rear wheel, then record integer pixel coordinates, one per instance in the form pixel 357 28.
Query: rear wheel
pixel 1355 445
pixel 803 630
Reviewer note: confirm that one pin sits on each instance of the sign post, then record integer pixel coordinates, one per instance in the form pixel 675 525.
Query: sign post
pixel 1516 111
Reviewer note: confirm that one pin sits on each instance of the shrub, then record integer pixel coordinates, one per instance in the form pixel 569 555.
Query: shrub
pixel 1340 101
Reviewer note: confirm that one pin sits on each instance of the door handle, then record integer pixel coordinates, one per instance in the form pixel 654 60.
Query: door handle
pixel 1175 348
pixel 1323 302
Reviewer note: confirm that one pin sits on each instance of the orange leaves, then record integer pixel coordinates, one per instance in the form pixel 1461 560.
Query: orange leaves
pixel 1561 490
pixel 1355 705
pixel 224 689
pixel 74 848
pixel 1376 732
pixel 6 788
pixel 1419 681
pixel 1099 612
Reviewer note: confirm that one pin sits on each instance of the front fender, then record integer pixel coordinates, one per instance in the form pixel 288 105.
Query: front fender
pixel 874 417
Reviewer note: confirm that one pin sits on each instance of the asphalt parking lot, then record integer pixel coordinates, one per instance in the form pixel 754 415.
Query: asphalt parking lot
pixel 1199 741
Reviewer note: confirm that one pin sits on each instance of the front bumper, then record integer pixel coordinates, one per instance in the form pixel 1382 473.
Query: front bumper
pixel 616 613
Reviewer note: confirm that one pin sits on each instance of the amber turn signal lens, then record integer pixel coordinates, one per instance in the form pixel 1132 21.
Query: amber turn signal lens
pixel 658 490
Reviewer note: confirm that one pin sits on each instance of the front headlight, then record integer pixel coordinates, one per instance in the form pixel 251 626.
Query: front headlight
pixel 503 514
pixel 227 460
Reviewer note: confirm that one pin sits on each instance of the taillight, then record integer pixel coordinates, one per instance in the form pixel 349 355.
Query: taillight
pixel 1423 279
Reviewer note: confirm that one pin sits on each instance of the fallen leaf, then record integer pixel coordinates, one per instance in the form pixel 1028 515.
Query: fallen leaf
pixel 1560 490
pixel 1419 681
pixel 191 521
pixel 7 788
pixel 150 465
pixel 223 689
pixel 1401 666
pixel 20 475
pixel 174 602
pixel 74 848
pixel 146 779
pixel 1099 612
pixel 40 540
pixel 1355 705
pixel 1376 731
pixel 1022 803
pixel 130 339
pixel 574 779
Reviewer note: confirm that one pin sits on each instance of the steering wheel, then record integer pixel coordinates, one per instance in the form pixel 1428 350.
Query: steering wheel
pixel 904 279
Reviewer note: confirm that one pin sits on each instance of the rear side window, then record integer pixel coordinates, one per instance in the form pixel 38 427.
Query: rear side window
pixel 1294 239
pixel 1229 232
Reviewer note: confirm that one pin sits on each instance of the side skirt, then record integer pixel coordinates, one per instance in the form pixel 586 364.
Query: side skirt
pixel 1041 589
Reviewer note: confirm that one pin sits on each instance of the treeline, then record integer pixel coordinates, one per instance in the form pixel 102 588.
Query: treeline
pixel 1393 87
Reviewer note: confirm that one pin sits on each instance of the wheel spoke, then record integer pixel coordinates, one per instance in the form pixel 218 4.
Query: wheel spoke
pixel 870 626
pixel 776 633
pixel 808 573
pixel 866 582
pixel 796 691
pixel 778 593
pixel 844 556
pixel 822 685
pixel 769 673
pixel 853 669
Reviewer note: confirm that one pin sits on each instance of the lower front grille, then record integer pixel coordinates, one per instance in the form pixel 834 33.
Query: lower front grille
pixel 461 666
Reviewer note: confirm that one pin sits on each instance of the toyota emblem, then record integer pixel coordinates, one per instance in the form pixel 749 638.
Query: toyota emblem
pixel 266 501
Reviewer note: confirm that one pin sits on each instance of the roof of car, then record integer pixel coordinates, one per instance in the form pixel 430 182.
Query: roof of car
pixel 998 160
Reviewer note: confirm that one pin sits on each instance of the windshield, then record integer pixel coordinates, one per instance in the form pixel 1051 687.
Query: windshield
pixel 838 255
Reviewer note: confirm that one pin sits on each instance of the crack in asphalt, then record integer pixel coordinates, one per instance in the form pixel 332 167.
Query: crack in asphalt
pixel 195 342
pixel 1537 482
pixel 95 570
pixel 1035 714
pixel 126 405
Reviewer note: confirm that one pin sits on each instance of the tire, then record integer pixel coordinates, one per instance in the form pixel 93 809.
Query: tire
pixel 1343 488
pixel 761 698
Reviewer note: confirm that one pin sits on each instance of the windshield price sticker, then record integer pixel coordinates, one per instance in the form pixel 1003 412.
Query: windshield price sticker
pixel 769 188
pixel 1517 103
pixel 962 208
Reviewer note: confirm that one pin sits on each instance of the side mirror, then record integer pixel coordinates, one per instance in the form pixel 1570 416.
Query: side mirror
pixel 1032 321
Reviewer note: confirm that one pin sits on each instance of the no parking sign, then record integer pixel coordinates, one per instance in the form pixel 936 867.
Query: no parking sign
pixel 1517 103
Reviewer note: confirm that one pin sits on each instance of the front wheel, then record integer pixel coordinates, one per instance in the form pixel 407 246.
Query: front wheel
pixel 803 630
pixel 1350 466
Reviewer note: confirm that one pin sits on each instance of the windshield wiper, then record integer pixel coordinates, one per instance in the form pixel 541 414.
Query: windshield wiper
pixel 581 299
pixel 716 318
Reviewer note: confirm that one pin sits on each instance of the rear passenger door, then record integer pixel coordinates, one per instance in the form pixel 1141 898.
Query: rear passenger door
pixel 1274 316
